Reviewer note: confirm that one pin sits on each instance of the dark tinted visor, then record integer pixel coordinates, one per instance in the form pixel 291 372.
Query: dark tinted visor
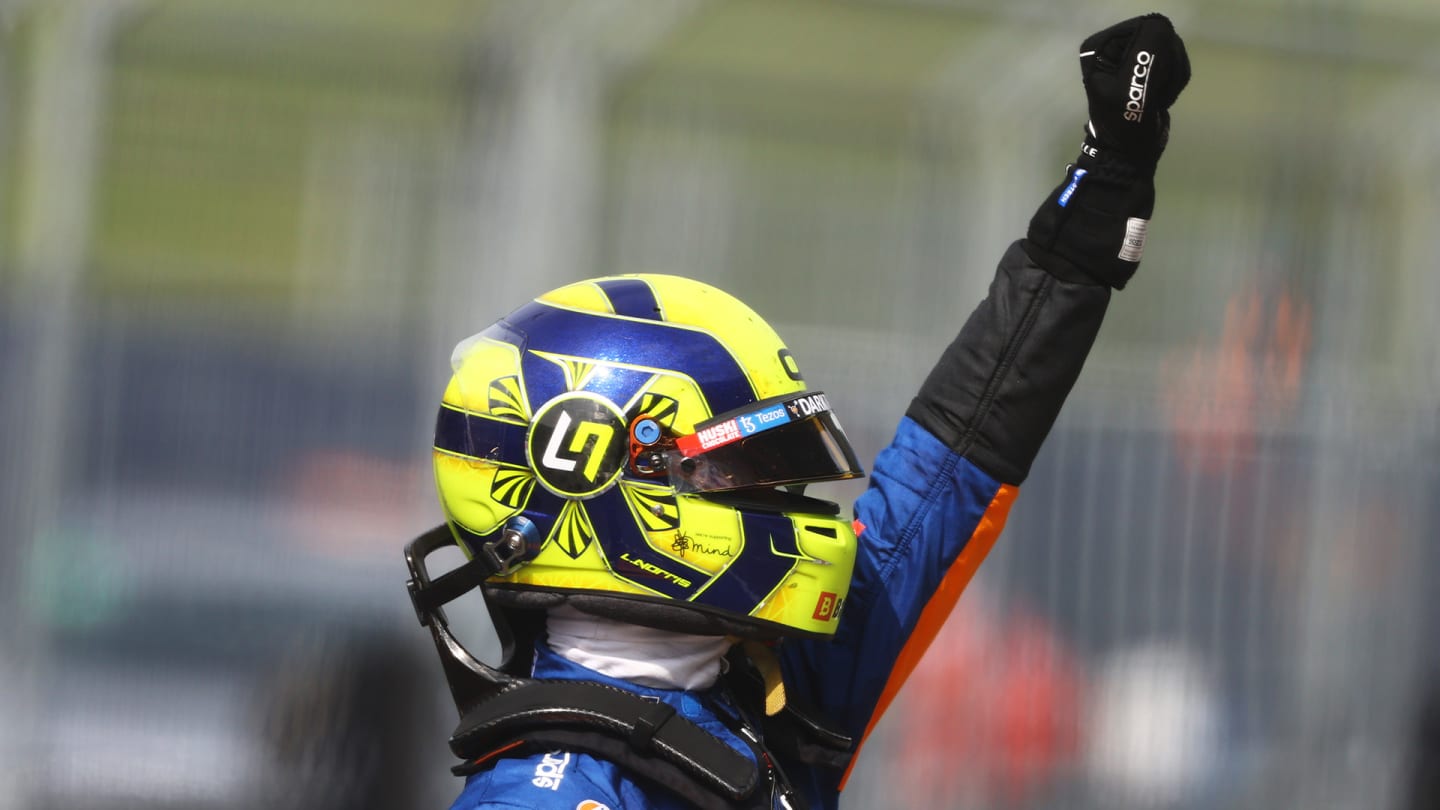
pixel 785 440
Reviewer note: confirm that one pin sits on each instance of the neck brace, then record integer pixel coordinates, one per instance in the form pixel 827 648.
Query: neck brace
pixel 641 655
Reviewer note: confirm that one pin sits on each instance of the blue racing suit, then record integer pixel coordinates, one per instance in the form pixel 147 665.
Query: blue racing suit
pixel 937 498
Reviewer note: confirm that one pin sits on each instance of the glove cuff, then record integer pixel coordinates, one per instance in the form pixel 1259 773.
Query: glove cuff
pixel 1093 225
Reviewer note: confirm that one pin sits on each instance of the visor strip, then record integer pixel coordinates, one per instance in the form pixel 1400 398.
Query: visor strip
pixel 733 429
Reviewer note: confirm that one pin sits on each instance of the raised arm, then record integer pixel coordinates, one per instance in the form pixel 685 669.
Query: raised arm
pixel 940 493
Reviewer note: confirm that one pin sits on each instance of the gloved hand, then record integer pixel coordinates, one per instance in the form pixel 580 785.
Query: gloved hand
pixel 1093 225
pixel 1133 71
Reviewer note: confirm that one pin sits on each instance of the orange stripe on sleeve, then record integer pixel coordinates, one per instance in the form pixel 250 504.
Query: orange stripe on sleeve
pixel 480 760
pixel 937 610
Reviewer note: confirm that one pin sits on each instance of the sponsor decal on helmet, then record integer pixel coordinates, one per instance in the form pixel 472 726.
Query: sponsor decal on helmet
pixel 808 405
pixel 684 543
pixel 737 428
pixel 748 424
pixel 577 444
pixel 760 420
pixel 550 771
pixel 827 607
pixel 713 436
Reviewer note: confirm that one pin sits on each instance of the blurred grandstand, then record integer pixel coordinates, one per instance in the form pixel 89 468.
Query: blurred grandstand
pixel 238 239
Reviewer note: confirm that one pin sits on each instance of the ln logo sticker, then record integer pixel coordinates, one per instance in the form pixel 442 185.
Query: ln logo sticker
pixel 577 444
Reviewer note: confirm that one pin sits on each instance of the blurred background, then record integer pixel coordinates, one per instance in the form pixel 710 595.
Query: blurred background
pixel 238 239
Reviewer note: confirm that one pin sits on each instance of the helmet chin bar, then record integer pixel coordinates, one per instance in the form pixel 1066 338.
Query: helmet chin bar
pixel 470 680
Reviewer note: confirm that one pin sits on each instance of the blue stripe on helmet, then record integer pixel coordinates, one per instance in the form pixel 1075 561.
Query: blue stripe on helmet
pixel 618 385
pixel 750 578
pixel 542 327
pixel 631 297
pixel 469 434
pixel 627 550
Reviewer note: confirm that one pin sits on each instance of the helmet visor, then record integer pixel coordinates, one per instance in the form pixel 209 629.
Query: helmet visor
pixel 790 439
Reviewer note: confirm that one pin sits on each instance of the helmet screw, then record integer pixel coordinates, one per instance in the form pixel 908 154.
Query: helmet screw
pixel 507 552
pixel 646 431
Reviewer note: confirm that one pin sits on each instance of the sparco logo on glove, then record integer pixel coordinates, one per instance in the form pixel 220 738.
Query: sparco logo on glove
pixel 1135 106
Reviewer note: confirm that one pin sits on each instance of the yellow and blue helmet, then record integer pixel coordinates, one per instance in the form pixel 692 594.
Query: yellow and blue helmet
pixel 634 446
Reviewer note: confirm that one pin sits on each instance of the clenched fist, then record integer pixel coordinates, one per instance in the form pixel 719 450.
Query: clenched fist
pixel 1094 224
pixel 1133 71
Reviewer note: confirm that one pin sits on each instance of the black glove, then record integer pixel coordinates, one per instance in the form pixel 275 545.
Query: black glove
pixel 1133 72
pixel 1093 225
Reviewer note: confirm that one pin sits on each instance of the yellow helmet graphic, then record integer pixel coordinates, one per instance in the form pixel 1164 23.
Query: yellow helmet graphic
pixel 632 446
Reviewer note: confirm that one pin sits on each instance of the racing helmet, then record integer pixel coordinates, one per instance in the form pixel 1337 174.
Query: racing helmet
pixel 635 446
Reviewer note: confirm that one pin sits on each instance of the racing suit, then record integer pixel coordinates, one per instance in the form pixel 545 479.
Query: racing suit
pixel 940 492
pixel 937 499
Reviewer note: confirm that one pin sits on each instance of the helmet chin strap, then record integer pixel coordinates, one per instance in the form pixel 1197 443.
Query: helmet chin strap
pixel 642 655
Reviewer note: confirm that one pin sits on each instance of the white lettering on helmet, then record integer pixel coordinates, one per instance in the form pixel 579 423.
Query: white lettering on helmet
pixel 766 417
pixel 551 459
pixel 550 771
pixel 655 570
pixel 716 435
pixel 809 406
pixel 1139 85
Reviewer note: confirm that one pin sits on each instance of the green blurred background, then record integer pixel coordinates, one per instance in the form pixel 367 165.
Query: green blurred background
pixel 238 239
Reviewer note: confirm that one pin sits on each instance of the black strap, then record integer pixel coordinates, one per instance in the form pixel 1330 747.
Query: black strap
pixel 634 732
pixel 642 737
pixel 647 739
pixel 450 585
pixel 470 679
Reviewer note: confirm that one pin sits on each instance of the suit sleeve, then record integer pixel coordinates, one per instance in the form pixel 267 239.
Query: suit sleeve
pixel 940 492
pixel 997 389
